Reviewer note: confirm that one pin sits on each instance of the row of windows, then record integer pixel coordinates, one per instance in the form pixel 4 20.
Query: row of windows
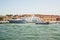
pixel 49 19
pixel 47 16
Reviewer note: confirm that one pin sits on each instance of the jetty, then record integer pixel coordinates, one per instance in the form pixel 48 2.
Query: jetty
pixel 4 22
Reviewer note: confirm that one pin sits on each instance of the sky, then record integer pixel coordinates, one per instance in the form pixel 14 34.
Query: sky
pixel 29 7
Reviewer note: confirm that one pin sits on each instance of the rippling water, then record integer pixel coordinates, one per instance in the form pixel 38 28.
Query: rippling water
pixel 29 31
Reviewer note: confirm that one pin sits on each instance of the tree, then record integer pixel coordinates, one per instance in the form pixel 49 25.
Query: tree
pixel 1 18
pixel 9 15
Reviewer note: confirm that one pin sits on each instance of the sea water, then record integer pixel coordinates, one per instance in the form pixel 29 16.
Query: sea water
pixel 29 31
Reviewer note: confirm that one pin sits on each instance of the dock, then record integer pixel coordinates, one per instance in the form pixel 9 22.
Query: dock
pixel 4 22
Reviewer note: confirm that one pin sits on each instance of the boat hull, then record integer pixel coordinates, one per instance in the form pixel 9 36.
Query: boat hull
pixel 42 23
pixel 17 21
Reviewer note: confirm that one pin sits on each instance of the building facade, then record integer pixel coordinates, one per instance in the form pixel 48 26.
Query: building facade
pixel 49 18
pixel 46 18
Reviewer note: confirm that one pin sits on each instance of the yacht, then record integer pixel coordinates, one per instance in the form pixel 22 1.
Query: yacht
pixel 17 21
pixel 37 20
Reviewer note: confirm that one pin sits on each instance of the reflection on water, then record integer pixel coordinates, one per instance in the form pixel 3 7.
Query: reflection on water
pixel 29 32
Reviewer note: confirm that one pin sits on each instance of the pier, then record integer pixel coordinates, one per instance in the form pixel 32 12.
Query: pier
pixel 4 22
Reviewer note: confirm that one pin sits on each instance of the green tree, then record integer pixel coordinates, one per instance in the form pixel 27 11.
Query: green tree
pixel 9 15
pixel 1 18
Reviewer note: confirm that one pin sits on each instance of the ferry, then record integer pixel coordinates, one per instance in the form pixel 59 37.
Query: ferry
pixel 17 21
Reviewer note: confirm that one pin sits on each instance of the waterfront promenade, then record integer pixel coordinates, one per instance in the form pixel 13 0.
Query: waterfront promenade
pixel 4 22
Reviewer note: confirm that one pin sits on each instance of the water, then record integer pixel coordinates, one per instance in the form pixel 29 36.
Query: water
pixel 29 31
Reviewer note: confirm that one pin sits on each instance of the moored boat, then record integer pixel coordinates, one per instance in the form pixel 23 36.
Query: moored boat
pixel 42 23
pixel 17 21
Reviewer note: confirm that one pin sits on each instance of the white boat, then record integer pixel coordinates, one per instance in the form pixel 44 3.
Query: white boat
pixel 32 19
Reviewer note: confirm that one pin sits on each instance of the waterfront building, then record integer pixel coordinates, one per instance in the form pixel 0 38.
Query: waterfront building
pixel 47 18
pixel 6 18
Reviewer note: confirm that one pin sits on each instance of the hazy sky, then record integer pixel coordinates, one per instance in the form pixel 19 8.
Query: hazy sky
pixel 29 6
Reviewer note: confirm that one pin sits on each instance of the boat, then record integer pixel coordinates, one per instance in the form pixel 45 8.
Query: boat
pixel 17 21
pixel 42 23
pixel 32 19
